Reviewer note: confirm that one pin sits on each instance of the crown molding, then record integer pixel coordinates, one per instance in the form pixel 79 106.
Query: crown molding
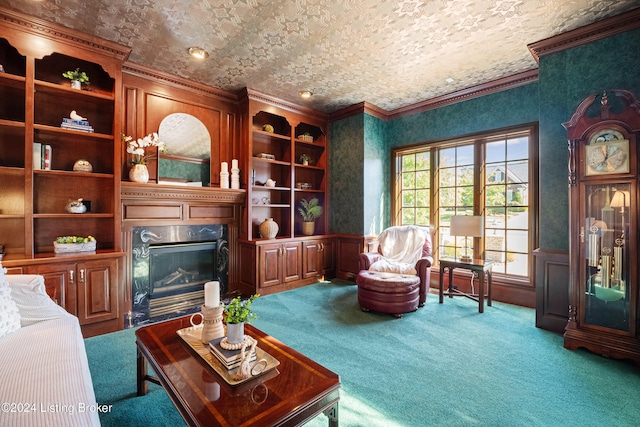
pixel 61 34
pixel 589 33
pixel 359 108
pixel 254 95
pixel 177 81
pixel 477 91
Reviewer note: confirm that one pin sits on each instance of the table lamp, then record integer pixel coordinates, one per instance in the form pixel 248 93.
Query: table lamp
pixel 467 226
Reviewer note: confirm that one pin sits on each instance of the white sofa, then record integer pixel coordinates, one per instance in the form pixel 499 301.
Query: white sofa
pixel 44 373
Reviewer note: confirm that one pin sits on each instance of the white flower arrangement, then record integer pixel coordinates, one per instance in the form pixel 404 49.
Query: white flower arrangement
pixel 137 147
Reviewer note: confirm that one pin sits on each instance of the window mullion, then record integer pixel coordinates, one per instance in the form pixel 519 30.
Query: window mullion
pixel 479 192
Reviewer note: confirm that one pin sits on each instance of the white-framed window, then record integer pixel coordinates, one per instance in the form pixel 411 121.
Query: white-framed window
pixel 490 174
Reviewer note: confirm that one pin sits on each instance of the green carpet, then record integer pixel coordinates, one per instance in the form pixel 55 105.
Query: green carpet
pixel 444 365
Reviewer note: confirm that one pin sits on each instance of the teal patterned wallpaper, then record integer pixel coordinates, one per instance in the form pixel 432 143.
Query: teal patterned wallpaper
pixel 360 149
pixel 361 145
pixel 565 79
pixel 507 108
pixel 346 177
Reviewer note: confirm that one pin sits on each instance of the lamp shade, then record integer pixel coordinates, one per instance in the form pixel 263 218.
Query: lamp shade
pixel 466 225
pixel 620 199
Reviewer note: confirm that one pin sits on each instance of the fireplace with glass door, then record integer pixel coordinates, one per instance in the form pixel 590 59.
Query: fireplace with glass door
pixel 170 265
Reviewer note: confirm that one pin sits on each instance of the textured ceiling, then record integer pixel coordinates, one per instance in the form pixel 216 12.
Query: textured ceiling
pixel 388 53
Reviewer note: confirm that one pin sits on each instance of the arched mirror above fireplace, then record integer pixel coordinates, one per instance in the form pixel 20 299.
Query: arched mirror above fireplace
pixel 188 156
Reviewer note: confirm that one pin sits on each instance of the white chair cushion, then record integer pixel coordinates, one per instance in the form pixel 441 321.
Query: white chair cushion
pixel 385 265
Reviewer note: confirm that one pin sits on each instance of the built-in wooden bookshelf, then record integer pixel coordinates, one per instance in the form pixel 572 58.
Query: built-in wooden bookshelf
pixel 34 99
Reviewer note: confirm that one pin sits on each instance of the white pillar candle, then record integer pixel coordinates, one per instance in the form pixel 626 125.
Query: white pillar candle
pixel 225 167
pixel 212 294
pixel 234 164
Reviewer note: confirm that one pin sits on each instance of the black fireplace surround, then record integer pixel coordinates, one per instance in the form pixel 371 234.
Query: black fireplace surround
pixel 171 264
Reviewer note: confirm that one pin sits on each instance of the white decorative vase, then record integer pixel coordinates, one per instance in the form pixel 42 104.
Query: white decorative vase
pixel 139 173
pixel 308 228
pixel 235 333
pixel 269 229
pixel 75 84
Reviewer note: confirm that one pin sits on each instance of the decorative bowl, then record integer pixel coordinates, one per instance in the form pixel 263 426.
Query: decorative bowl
pixel 82 166
pixel 76 209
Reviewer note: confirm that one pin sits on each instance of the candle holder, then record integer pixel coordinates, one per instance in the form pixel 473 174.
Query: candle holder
pixel 235 178
pixel 212 326
pixel 224 179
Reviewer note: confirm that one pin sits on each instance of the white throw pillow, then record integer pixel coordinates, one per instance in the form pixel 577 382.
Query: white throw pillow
pixel 30 295
pixel 9 314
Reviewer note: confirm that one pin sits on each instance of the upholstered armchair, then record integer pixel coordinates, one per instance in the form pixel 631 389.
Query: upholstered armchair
pixel 395 279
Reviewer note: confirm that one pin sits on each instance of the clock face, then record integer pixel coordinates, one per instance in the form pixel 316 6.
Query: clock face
pixel 607 153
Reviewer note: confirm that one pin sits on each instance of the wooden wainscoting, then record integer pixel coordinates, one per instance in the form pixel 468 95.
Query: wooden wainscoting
pixel 552 289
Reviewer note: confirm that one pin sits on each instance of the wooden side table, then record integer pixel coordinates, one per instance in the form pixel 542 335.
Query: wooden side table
pixel 478 267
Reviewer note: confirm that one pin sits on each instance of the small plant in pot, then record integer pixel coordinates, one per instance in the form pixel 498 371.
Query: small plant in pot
pixel 77 77
pixel 305 159
pixel 309 210
pixel 237 313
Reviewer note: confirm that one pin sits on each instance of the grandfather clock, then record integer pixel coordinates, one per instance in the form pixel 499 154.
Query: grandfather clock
pixel 603 231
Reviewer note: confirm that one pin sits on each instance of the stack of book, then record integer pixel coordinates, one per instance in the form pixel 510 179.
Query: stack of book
pixel 229 358
pixel 80 125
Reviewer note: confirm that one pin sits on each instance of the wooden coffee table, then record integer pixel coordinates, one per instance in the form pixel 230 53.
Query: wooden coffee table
pixel 294 392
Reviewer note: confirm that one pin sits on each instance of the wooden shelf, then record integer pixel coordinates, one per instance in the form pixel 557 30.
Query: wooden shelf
pixel 273 162
pixel 12 79
pixel 310 167
pixel 69 215
pixel 11 216
pixel 271 205
pixel 53 129
pixel 11 123
pixel 315 144
pixel 73 174
pixel 9 170
pixel 272 135
pixel 57 89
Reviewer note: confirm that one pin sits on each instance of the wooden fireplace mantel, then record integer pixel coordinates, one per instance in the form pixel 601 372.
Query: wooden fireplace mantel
pixel 172 204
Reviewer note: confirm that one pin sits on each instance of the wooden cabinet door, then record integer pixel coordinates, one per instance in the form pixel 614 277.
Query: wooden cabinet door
pixel 291 262
pixel 348 249
pixel 60 283
pixel 97 291
pixel 311 258
pixel 270 265
pixel 328 257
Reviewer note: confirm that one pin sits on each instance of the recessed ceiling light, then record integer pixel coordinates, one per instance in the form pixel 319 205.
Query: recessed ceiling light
pixel 198 52
pixel 449 80
pixel 305 94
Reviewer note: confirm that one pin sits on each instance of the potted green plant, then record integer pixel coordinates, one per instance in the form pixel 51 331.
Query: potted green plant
pixel 305 159
pixel 77 77
pixel 309 210
pixel 237 313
